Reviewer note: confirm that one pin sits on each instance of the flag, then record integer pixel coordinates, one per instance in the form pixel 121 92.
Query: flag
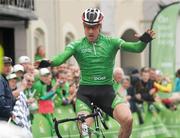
pixel 46 106
pixel 21 112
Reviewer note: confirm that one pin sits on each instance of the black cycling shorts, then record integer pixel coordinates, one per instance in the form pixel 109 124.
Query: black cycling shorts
pixel 102 96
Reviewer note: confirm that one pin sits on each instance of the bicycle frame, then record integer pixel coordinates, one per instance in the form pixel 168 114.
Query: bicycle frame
pixel 97 113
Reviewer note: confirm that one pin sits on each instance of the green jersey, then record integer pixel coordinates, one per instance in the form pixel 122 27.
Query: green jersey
pixel 96 60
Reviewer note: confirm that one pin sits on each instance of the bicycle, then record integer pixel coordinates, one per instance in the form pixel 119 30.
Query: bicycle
pixel 86 130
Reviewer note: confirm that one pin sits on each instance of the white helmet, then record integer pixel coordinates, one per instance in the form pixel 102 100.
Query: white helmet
pixel 92 16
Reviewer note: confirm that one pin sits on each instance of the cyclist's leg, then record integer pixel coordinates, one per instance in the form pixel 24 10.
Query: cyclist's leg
pixel 83 109
pixel 123 115
pixel 83 103
pixel 117 108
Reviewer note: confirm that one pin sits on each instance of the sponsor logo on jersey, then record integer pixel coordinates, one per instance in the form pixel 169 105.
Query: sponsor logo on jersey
pixel 86 50
pixel 99 77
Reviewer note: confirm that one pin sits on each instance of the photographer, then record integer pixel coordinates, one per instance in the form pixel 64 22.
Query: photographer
pixel 64 87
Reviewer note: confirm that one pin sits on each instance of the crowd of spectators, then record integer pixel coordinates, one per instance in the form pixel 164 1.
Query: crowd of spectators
pixel 27 88
pixel 147 85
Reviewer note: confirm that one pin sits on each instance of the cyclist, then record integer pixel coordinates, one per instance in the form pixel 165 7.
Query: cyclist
pixel 95 54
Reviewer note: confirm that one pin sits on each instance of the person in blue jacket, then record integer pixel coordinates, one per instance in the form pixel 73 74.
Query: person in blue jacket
pixel 7 99
pixel 177 82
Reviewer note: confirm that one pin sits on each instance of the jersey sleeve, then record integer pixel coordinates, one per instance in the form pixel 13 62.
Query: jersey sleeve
pixel 62 57
pixel 135 47
pixel 128 46
pixel 116 42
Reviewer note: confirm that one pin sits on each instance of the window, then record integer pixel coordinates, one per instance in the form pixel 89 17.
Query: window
pixel 39 38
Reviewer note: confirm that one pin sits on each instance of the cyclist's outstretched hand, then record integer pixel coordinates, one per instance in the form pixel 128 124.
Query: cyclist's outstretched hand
pixel 147 37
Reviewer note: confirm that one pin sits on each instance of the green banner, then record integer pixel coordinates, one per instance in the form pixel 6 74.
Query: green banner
pixel 163 47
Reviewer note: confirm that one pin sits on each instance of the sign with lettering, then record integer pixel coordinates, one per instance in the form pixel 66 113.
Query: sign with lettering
pixel 163 47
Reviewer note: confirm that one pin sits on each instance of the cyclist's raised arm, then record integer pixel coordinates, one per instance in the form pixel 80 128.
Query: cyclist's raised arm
pixel 61 58
pixel 140 45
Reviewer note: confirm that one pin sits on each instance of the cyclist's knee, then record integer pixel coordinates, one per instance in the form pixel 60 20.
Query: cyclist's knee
pixel 123 115
pixel 127 121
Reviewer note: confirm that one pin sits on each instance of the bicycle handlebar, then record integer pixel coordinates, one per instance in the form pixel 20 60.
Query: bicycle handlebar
pixel 80 118
pixel 96 113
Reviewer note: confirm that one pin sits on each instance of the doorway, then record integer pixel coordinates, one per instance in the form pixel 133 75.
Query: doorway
pixel 7 42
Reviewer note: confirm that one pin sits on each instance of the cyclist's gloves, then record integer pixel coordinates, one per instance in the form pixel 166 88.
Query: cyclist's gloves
pixel 146 38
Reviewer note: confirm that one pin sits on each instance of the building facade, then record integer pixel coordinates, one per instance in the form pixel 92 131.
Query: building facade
pixel 58 22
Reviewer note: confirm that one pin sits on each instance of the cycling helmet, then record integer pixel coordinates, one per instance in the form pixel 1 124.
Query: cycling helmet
pixel 92 16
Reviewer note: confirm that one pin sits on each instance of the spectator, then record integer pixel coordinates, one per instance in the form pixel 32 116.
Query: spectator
pixel 44 64
pixel 19 71
pixel 7 100
pixel 72 95
pixel 135 73
pixel 31 70
pixel 175 98
pixel 12 80
pixel 134 96
pixel 25 62
pixel 163 85
pixel 40 53
pixel 125 84
pixel 152 72
pixel 118 74
pixel 29 92
pixel 1 56
pixel 64 86
pixel 45 82
pixel 147 89
pixel 177 81
pixel 46 89
pixel 22 104
pixel 54 71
